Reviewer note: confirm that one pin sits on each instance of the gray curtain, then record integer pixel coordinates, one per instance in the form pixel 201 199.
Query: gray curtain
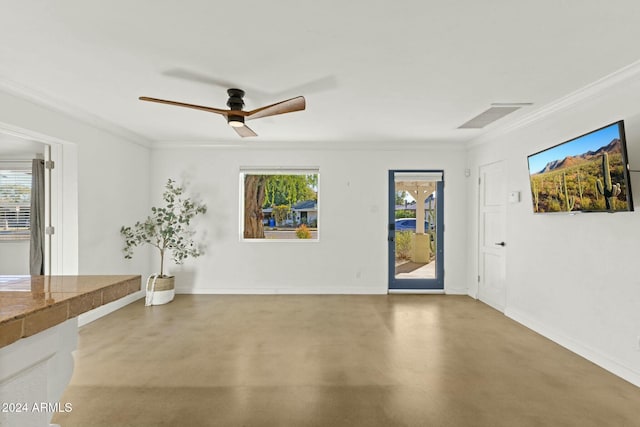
pixel 36 251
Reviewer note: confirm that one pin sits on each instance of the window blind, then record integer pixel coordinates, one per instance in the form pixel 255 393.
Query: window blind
pixel 15 204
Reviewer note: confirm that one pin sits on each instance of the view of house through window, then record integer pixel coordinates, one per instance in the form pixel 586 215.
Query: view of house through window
pixel 15 203
pixel 280 204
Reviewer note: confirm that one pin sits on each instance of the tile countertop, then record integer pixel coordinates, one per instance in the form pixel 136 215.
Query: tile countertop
pixel 31 304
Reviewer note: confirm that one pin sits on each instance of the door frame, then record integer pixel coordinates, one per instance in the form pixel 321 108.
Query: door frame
pixel 436 284
pixel 61 257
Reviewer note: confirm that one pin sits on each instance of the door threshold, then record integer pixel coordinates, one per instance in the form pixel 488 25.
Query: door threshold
pixel 417 291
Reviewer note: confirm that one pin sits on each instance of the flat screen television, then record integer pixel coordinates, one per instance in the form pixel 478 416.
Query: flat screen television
pixel 589 173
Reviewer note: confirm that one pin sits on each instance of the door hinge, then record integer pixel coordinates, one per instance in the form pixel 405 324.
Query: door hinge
pixel 478 278
pixel 479 179
pixel 49 164
pixel 50 230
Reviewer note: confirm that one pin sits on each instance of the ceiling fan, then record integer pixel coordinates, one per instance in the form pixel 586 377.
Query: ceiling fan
pixel 235 115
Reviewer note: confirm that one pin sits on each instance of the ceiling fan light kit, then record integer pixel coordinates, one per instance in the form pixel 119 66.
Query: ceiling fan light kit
pixel 235 121
pixel 235 115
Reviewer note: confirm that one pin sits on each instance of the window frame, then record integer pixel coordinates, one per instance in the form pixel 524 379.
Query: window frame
pixel 14 168
pixel 244 171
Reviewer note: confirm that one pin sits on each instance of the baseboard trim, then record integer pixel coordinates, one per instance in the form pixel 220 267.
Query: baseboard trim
pixel 456 291
pixel 588 353
pixel 284 291
pixel 313 291
pixel 417 291
pixel 103 310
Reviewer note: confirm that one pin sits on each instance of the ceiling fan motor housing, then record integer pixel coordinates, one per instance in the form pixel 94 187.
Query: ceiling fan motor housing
pixel 236 103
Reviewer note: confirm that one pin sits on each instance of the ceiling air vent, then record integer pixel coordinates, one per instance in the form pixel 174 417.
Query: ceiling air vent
pixel 496 112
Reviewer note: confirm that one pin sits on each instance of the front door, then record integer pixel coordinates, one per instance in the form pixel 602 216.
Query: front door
pixel 415 233
pixel 492 246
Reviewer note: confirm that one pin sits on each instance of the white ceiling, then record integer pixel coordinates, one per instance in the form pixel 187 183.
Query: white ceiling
pixel 371 70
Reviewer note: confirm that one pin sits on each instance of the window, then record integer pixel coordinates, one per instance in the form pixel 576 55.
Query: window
pixel 15 203
pixel 280 204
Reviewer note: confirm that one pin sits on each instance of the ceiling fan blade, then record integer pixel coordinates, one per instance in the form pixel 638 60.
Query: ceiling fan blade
pixel 182 104
pixel 288 106
pixel 322 84
pixel 194 76
pixel 245 131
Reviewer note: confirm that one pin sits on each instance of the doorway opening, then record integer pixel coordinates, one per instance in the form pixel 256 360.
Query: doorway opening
pixel 416 230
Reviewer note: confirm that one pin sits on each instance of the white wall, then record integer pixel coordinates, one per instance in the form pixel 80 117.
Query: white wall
pixel 572 278
pixel 351 256
pixel 106 177
pixel 14 257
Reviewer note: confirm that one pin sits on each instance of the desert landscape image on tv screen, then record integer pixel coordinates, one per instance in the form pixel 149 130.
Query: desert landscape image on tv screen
pixel 584 174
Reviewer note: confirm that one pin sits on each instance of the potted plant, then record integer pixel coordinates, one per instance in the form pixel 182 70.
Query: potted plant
pixel 167 229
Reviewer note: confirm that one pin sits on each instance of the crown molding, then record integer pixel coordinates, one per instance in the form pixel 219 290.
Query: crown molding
pixel 311 145
pixel 74 112
pixel 591 90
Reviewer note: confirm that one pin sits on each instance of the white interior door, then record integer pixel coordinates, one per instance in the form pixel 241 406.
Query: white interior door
pixel 492 229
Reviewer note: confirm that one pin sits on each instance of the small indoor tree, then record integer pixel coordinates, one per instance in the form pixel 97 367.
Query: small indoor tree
pixel 167 229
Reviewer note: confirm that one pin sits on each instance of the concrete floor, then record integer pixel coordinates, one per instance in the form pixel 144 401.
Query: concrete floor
pixel 398 360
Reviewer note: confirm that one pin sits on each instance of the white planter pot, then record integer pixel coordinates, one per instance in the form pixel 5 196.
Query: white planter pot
pixel 160 290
